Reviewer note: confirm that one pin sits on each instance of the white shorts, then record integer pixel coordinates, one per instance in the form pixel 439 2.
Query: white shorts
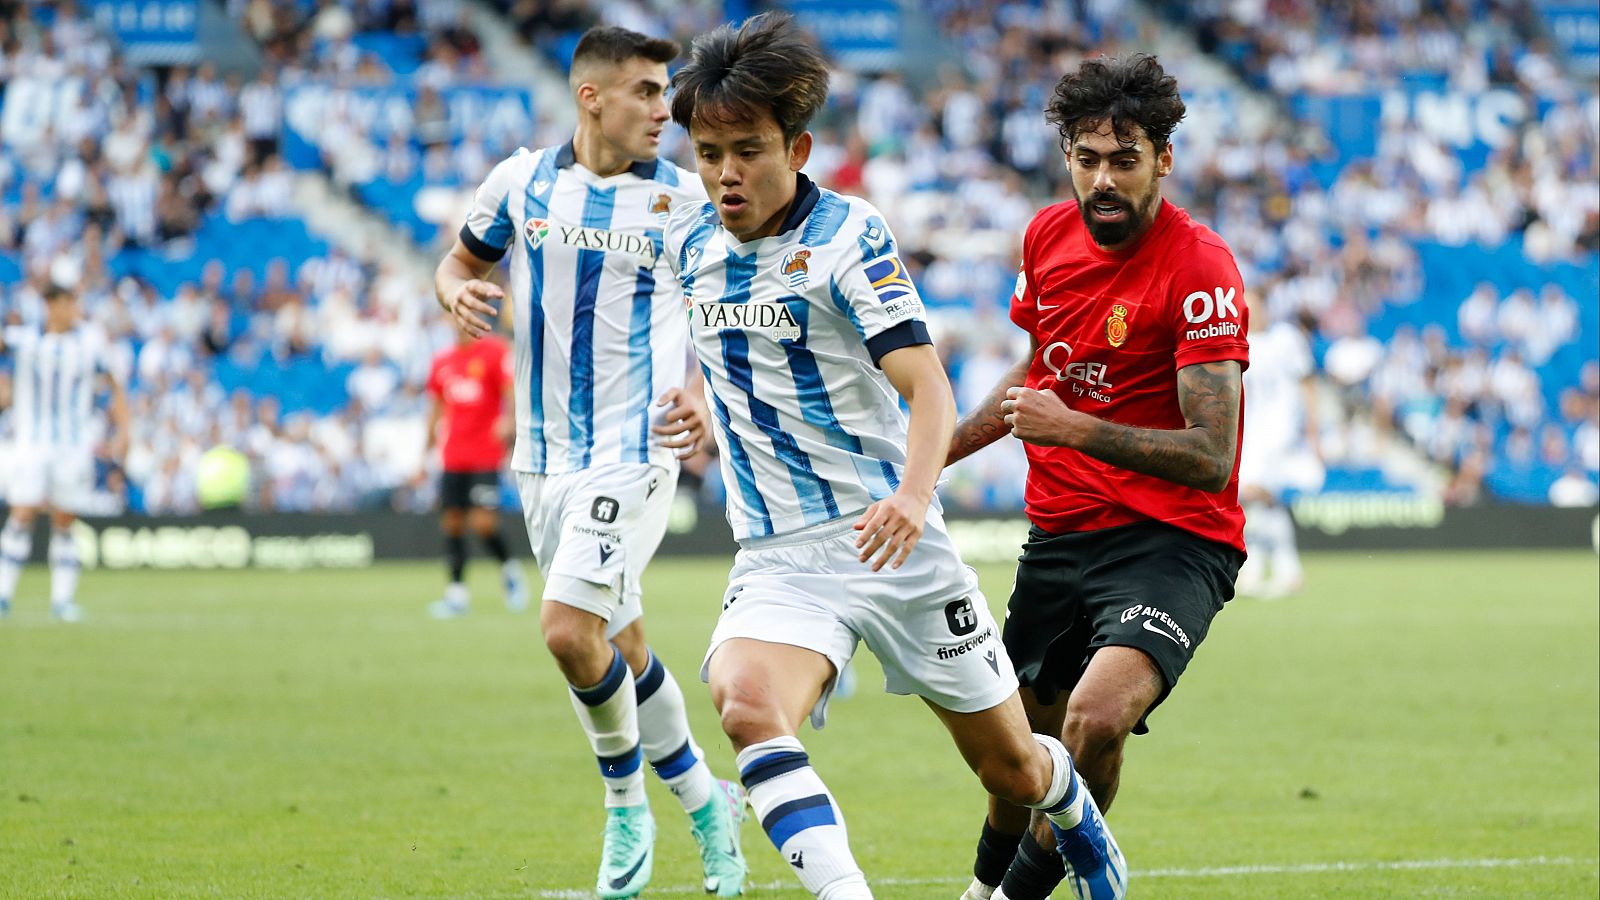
pixel 927 622
pixel 59 477
pixel 594 531
pixel 1277 462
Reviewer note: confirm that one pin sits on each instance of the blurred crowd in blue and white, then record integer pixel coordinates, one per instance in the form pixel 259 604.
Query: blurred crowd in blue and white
pixel 1419 196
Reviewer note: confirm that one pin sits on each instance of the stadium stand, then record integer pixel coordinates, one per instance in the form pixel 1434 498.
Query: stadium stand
pixel 1423 199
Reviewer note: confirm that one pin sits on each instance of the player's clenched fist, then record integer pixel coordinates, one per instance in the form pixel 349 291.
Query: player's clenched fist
pixel 471 308
pixel 1040 417
pixel 683 425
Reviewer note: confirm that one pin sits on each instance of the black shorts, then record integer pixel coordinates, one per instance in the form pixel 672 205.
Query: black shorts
pixel 1150 585
pixel 460 490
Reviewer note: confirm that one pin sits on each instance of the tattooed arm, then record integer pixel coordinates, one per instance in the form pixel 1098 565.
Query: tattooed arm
pixel 986 424
pixel 1200 455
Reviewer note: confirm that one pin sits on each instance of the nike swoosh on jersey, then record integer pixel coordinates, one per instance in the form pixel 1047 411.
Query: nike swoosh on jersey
pixel 1164 633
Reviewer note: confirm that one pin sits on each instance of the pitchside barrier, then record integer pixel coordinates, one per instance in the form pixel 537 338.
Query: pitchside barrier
pixel 237 540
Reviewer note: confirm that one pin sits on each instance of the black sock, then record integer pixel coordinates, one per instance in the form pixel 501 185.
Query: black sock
pixel 496 545
pixel 1035 872
pixel 996 849
pixel 455 555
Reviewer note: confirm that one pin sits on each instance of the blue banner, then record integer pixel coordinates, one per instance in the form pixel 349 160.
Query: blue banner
pixel 1473 125
pixel 152 32
pixel 860 34
pixel 1576 28
pixel 500 115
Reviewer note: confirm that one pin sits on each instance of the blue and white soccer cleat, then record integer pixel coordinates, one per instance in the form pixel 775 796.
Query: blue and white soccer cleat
pixel 67 612
pixel 5 607
pixel 716 830
pixel 516 585
pixel 1096 869
pixel 629 849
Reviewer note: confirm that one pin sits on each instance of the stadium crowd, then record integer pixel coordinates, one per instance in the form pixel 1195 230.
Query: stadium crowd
pixel 162 161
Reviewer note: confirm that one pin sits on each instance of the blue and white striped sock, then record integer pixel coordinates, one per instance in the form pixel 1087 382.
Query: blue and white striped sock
pixel 800 817
pixel 1063 803
pixel 610 718
pixel 16 544
pixel 664 735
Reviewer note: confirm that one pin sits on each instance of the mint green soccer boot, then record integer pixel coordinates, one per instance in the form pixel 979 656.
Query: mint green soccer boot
pixel 716 830
pixel 629 849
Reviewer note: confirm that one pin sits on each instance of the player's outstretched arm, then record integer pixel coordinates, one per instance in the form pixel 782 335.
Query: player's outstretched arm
pixel 891 527
pixel 121 422
pixel 459 285
pixel 987 424
pixel 1200 455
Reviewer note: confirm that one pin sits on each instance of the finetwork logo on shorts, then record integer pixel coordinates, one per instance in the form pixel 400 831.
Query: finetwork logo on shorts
pixel 604 510
pixel 967 646
pixel 959 615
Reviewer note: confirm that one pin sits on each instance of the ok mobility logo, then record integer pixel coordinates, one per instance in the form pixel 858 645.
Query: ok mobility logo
pixel 538 231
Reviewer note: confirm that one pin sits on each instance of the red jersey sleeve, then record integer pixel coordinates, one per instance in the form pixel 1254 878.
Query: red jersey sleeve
pixel 1207 307
pixel 1024 298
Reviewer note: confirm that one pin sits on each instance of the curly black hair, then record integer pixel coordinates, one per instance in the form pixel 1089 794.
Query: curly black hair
pixel 765 65
pixel 1125 91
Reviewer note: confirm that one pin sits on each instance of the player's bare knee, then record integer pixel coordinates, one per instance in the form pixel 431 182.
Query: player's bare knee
pixel 1016 778
pixel 1096 729
pixel 579 649
pixel 746 722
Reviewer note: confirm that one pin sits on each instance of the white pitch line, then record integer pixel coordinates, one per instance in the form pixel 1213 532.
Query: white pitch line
pixel 1210 872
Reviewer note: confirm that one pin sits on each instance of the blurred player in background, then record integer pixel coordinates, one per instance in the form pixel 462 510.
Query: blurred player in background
pixel 810 334
pixel 603 411
pixel 1281 450
pixel 57 373
pixel 1129 404
pixel 470 418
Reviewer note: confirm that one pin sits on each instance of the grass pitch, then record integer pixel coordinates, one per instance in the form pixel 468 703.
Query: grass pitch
pixel 1412 725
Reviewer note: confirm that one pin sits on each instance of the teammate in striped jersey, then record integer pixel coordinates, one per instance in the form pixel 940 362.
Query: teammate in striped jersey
pixel 57 373
pixel 602 411
pixel 810 333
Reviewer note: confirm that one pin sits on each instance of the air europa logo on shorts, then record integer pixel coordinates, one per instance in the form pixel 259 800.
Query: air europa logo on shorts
pixel 1173 631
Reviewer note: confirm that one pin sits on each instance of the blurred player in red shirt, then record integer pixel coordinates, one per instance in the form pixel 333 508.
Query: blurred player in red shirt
pixel 470 418
pixel 1129 404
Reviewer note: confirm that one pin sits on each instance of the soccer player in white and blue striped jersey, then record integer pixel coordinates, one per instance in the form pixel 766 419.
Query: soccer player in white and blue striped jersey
pixel 809 333
pixel 602 409
pixel 56 374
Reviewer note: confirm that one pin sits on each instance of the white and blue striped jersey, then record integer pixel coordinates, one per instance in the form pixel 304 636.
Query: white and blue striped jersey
pixel 53 382
pixel 600 332
pixel 789 330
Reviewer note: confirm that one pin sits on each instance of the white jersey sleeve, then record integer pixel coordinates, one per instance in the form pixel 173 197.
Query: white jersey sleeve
pixel 489 227
pixel 877 294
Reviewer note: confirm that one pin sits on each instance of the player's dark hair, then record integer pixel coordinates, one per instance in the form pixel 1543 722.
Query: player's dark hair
pixel 610 44
pixel 766 65
pixel 53 291
pixel 1125 91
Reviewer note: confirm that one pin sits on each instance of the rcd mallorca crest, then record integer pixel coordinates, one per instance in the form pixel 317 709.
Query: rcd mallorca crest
pixel 1117 325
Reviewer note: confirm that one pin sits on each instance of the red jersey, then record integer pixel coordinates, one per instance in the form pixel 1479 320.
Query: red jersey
pixel 1113 331
pixel 471 382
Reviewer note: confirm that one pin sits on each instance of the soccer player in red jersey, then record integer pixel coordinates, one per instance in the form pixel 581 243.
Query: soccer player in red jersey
pixel 470 388
pixel 1129 402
